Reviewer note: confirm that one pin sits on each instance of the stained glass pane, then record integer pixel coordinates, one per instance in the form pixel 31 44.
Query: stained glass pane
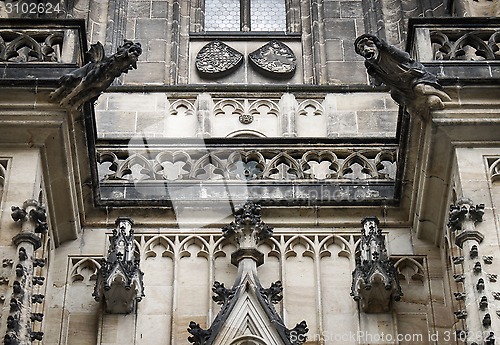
pixel 268 15
pixel 222 15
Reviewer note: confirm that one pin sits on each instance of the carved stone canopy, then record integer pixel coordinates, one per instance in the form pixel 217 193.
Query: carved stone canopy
pixel 120 281
pixel 374 280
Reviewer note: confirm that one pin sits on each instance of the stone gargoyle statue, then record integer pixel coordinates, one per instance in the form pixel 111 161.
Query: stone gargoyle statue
pixel 88 82
pixel 410 83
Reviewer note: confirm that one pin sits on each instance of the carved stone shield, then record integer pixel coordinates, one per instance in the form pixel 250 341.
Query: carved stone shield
pixel 275 59
pixel 217 59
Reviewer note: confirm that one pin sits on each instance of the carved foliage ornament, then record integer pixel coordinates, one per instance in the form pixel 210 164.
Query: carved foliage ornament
pixel 217 59
pixel 30 47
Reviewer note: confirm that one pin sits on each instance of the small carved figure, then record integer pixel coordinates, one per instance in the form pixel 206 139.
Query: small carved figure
pixel 18 213
pixel 12 323
pixel 476 213
pixel 10 339
pixel 37 298
pixel 458 260
pixel 15 304
pixel 461 314
pixel 38 280
pixel 477 268
pixel 36 317
pixel 39 262
pixel 36 336
pixel 408 79
pixel 88 82
pixel 199 335
pixel 487 320
pixel 19 270
pixel 488 259
pixel 16 287
pixel 459 296
pixel 22 254
pixel 492 277
pixel 480 285
pixel 483 304
pixel 474 252
pixel 456 217
pixel 7 262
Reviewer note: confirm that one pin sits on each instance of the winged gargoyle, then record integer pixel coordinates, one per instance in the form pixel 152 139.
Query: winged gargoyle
pixel 88 82
pixel 410 82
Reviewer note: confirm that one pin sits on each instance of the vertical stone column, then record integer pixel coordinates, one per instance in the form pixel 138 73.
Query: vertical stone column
pixel 204 108
pixel 288 112
pixel 32 218
pixel 463 217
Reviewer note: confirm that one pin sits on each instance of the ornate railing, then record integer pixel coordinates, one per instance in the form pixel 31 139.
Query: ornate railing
pixel 40 49
pixel 279 173
pixel 447 45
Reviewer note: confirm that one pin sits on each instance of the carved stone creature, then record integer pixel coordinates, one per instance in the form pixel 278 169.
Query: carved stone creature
pixel 410 83
pixel 22 254
pixel 88 82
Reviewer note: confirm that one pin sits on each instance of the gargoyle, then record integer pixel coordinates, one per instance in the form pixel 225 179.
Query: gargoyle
pixel 88 82
pixel 410 83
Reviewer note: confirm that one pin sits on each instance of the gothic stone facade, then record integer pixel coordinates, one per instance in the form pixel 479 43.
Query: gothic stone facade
pixel 215 192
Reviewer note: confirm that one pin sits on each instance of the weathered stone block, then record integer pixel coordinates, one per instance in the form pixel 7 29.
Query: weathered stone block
pixel 340 28
pixel 351 9
pixel 333 49
pixel 150 73
pixel 159 9
pixel 139 9
pixel 347 72
pixel 151 28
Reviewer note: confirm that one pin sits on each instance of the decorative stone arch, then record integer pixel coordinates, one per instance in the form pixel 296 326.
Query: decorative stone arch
pixel 248 340
pixel 246 133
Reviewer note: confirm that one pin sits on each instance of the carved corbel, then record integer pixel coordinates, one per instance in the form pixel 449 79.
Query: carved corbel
pixel 120 280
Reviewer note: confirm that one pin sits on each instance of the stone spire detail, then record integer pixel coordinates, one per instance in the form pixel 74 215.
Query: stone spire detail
pixel 120 280
pixel 33 220
pixel 475 310
pixel 374 280
pixel 247 302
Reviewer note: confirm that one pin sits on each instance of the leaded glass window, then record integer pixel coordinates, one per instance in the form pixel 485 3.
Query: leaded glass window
pixel 267 15
pixel 245 15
